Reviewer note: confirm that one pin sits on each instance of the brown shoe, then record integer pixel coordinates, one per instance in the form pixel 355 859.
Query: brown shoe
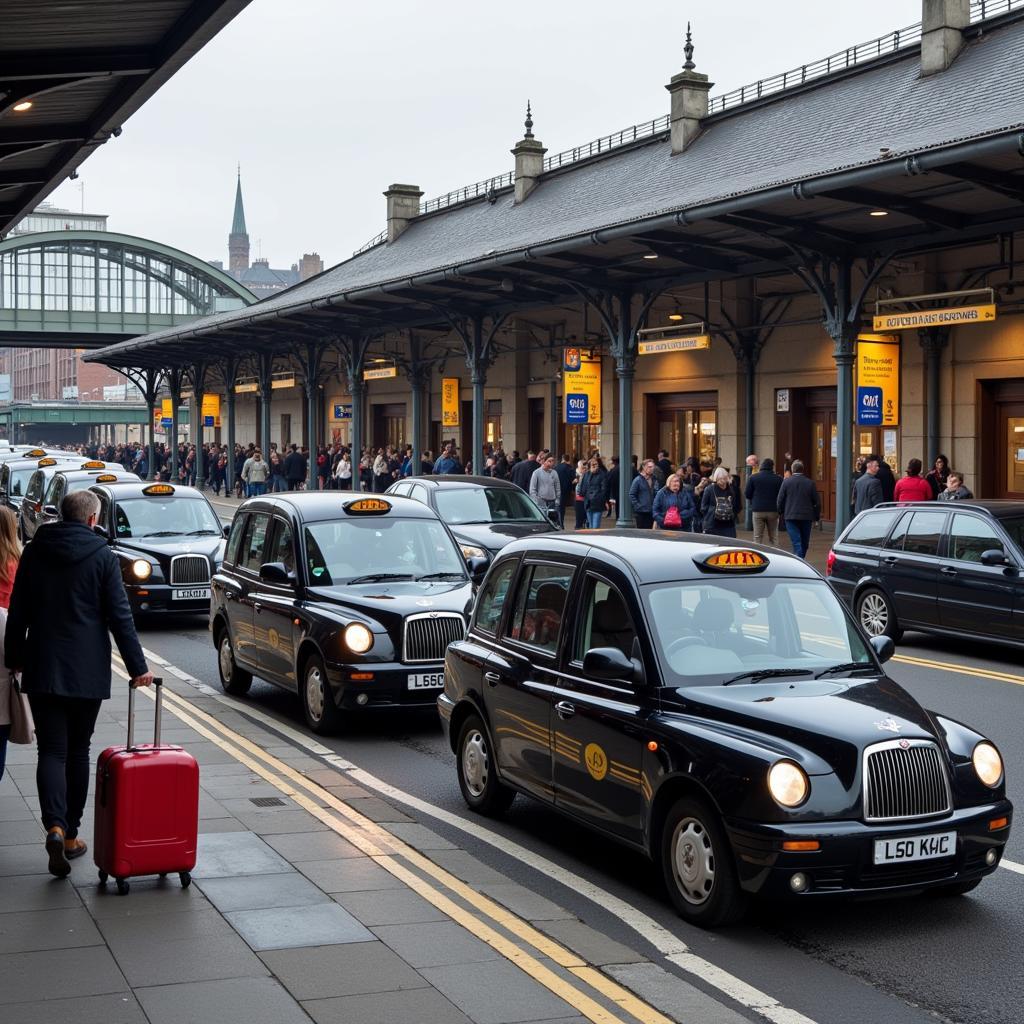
pixel 74 848
pixel 59 866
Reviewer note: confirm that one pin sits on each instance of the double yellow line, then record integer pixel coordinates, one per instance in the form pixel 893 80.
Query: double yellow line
pixel 964 670
pixel 385 850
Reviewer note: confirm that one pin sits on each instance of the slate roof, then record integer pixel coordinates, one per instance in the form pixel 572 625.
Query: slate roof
pixel 832 125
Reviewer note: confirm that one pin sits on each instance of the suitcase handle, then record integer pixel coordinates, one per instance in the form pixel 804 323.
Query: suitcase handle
pixel 158 683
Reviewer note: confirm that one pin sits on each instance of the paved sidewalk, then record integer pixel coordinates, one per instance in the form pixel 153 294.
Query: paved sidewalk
pixel 286 920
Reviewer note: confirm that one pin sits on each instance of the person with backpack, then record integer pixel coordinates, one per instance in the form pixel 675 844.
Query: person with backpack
pixel 674 507
pixel 720 505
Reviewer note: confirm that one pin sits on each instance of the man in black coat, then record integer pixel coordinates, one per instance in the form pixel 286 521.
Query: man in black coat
pixel 68 597
pixel 799 505
pixel 566 475
pixel 522 471
pixel 294 468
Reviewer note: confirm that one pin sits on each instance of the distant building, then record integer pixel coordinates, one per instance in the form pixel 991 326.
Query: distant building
pixel 259 276
pixel 47 217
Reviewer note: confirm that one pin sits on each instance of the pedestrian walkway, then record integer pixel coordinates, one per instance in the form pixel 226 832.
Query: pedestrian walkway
pixel 312 900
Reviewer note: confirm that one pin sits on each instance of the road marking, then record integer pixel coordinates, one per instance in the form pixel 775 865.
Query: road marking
pixel 965 670
pixel 651 931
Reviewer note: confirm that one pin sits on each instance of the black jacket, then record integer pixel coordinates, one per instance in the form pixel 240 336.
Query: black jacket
pixel 67 595
pixel 709 500
pixel 887 480
pixel 762 491
pixel 522 471
pixel 295 466
pixel 595 490
pixel 798 499
pixel 566 475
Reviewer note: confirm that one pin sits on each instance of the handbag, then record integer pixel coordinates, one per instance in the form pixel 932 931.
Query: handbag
pixel 23 728
pixel 672 519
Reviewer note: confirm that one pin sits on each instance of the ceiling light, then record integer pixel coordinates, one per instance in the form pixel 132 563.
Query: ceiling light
pixel 879 213
pixel 22 106
pixel 675 316
pixel 650 256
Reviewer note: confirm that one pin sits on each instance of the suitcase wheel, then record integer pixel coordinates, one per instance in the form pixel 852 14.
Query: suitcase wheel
pixel 185 878
pixel 163 874
pixel 103 876
pixel 122 886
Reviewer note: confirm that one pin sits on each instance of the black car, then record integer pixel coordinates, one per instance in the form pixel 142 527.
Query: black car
pixel 50 482
pixel 953 568
pixel 483 513
pixel 718 709
pixel 16 473
pixel 168 539
pixel 351 601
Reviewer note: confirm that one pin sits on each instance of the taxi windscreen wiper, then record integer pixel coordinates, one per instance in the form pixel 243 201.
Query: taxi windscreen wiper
pixel 159 533
pixel 441 576
pixel 376 577
pixel 204 532
pixel 755 675
pixel 846 666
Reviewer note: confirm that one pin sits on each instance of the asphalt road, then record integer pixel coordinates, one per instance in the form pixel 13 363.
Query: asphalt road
pixel 911 960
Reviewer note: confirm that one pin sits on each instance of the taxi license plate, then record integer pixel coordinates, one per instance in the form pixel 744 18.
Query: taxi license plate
pixel 898 851
pixel 191 594
pixel 426 681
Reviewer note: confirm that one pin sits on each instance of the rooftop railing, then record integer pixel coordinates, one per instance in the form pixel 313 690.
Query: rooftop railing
pixel 602 145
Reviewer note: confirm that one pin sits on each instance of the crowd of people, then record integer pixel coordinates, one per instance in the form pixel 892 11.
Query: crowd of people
pixel 874 483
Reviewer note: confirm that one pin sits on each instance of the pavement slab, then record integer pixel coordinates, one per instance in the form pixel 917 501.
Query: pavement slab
pixel 231 1001
pixel 591 944
pixel 115 1008
pixel 435 945
pixel 348 875
pixel 672 995
pixel 223 855
pixel 261 892
pixel 30 930
pixel 290 927
pixel 388 906
pixel 417 1007
pixel 312 846
pixel 87 971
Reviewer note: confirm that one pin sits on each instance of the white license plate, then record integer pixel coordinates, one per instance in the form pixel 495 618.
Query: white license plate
pixel 191 594
pixel 896 851
pixel 426 681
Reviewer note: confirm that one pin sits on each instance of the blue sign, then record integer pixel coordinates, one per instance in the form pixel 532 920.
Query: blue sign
pixel 342 412
pixel 869 407
pixel 208 421
pixel 577 408
pixel 167 423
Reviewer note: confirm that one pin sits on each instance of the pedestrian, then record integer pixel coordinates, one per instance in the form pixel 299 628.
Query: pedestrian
pixel 343 471
pixel 581 509
pixel 641 495
pixel 867 491
pixel 545 487
pixel 762 493
pixel 448 463
pixel 595 492
pixel 799 507
pixel 278 482
pixel 323 468
pixel 10 555
pixel 664 466
pixel 674 507
pixel 522 471
pixel 938 474
pixel 886 479
pixel 913 487
pixel 255 472
pixel 565 482
pixel 381 476
pixel 955 489
pixel 294 468
pixel 72 577
pixel 720 505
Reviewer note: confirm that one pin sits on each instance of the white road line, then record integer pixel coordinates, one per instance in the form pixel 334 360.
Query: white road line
pixel 1012 865
pixel 668 945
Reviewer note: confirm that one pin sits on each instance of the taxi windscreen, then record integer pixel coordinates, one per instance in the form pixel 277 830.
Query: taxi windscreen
pixel 355 551
pixel 165 517
pixel 17 481
pixel 462 505
pixel 711 630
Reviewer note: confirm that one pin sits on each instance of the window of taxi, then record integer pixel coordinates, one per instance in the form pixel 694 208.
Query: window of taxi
pixel 251 553
pixel 231 554
pixel 282 550
pixel 969 536
pixel 605 621
pixel 540 605
pixel 723 626
pixel 491 601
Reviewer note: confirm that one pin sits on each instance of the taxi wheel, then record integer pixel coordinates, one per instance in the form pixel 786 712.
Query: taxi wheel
pixel 876 615
pixel 319 709
pixel 697 865
pixel 233 680
pixel 481 788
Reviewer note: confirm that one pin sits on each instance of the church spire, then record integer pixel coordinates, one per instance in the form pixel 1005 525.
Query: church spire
pixel 238 240
pixel 238 221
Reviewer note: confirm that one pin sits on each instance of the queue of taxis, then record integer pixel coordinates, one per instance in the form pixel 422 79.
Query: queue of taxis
pixel 16 472
pixel 51 481
pixel 719 709
pixel 168 540
pixel 349 601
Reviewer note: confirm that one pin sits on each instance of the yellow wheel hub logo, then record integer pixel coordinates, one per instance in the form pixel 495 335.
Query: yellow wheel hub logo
pixel 274 639
pixel 596 761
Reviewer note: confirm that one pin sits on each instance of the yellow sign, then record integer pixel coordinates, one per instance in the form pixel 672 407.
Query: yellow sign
pixel 596 761
pixel 46 462
pixel 211 409
pixel 167 410
pixel 878 380
pixel 93 464
pixel 367 506
pixel 283 382
pixel 154 490
pixel 380 373
pixel 736 560
pixel 581 402
pixel 106 478
pixel 935 318
pixel 450 402
pixel 249 387
pixel 684 344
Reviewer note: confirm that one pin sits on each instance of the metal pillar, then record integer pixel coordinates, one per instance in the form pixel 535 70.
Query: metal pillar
pixel 174 381
pixel 266 377
pixel 553 425
pixel 311 364
pixel 933 341
pixel 624 351
pixel 152 380
pixel 749 366
pixel 478 377
pixel 229 401
pixel 419 379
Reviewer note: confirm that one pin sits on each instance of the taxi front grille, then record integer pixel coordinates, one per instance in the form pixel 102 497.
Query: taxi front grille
pixel 428 635
pixel 904 779
pixel 189 570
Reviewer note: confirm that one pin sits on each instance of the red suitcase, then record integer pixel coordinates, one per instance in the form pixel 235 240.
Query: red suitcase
pixel 147 807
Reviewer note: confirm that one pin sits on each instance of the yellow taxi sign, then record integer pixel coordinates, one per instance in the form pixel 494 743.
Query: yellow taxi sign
pixel 367 507
pixel 157 489
pixel 93 464
pixel 35 453
pixel 735 560
pixel 47 462
pixel 106 478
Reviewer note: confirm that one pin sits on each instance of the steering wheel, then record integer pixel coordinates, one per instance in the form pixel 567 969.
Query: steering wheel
pixel 683 641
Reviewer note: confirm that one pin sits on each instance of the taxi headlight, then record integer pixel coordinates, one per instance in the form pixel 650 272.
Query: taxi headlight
pixel 358 638
pixel 141 569
pixel 472 551
pixel 988 764
pixel 788 783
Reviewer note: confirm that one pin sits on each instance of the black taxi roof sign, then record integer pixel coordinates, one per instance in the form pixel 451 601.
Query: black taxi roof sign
pixel 733 560
pixel 367 507
pixel 157 490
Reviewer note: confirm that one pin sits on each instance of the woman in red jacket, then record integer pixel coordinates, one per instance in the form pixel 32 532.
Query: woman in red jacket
pixel 913 487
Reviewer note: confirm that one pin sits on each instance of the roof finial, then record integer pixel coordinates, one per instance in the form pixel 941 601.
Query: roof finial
pixel 529 122
pixel 688 50
pixel 239 170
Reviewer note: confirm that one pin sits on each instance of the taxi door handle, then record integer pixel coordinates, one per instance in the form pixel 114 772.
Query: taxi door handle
pixel 564 709
pixel 257 606
pixel 948 570
pixel 492 678
pixel 890 560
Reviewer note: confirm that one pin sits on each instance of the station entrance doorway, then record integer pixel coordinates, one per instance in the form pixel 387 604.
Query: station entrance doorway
pixel 685 424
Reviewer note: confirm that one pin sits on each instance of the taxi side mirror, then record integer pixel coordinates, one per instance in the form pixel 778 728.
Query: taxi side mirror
pixel 994 556
pixel 883 647
pixel 50 510
pixel 275 572
pixel 227 529
pixel 101 531
pixel 554 518
pixel 609 664
pixel 477 567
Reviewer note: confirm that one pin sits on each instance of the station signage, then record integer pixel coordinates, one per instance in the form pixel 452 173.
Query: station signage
pixel 685 343
pixel 211 410
pixel 935 318
pixel 341 410
pixel 450 402
pixel 581 379
pixel 283 381
pixel 878 380
pixel 166 413
pixel 380 373
pixel 248 387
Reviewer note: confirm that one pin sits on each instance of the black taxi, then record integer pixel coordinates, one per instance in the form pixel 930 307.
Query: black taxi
pixel 351 601
pixel 719 709
pixel 50 482
pixel 169 542
pixel 16 473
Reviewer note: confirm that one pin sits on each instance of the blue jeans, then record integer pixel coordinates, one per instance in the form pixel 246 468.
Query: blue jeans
pixel 594 519
pixel 5 731
pixel 258 488
pixel 799 531
pixel 278 484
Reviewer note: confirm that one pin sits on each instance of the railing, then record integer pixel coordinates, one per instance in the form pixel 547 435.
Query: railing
pixel 891 42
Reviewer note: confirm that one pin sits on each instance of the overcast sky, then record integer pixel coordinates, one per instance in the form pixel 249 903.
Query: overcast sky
pixel 326 102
